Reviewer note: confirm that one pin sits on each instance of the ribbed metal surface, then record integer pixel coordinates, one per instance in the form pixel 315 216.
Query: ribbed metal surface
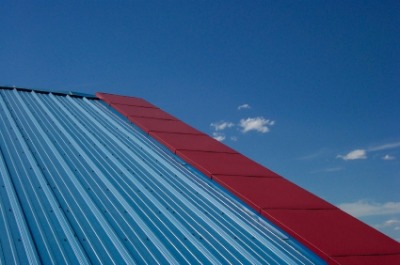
pixel 80 184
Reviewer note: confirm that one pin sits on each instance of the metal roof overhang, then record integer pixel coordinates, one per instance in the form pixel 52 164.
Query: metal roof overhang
pixel 80 184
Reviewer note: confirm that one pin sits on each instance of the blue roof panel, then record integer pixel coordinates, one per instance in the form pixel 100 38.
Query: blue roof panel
pixel 80 184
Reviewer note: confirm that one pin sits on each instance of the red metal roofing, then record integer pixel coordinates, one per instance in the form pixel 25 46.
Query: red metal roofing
pixel 334 235
pixel 368 260
pixel 333 232
pixel 271 193
pixel 194 142
pixel 137 111
pixel 211 163
pixel 124 100
pixel 159 125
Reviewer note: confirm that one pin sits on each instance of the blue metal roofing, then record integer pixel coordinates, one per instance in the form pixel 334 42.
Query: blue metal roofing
pixel 80 184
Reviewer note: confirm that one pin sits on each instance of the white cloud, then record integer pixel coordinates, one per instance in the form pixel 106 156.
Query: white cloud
pixel 392 223
pixel 222 125
pixel 366 208
pixel 362 153
pixel 385 146
pixel 388 157
pixel 234 138
pixel 390 227
pixel 258 124
pixel 354 155
pixel 218 136
pixel 244 106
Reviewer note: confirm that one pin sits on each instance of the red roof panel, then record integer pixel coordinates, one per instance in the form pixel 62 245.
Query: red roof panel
pixel 369 260
pixel 333 232
pixel 124 100
pixel 196 142
pixel 160 125
pixel 128 110
pixel 211 163
pixel 272 193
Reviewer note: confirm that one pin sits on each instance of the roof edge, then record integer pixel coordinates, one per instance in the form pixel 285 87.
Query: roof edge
pixel 43 91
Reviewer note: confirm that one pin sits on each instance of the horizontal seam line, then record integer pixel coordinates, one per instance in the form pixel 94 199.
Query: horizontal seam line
pixel 148 117
pixel 206 151
pixel 366 255
pixel 291 208
pixel 253 176
pixel 170 132
pixel 130 105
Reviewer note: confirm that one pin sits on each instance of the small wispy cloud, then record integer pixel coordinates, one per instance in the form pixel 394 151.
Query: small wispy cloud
pixel 218 136
pixel 390 227
pixel 244 106
pixel 391 223
pixel 362 153
pixel 388 157
pixel 366 208
pixel 385 146
pixel 234 138
pixel 354 155
pixel 222 125
pixel 258 124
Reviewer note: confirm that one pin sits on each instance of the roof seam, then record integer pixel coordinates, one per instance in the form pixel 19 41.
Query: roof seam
pixel 366 255
pixel 182 133
pixel 249 176
pixel 135 105
pixel 206 151
pixel 147 117
pixel 300 208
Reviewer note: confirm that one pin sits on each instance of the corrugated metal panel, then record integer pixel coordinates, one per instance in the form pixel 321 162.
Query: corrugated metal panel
pixel 79 184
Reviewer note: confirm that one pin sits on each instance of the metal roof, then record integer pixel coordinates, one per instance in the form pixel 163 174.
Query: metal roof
pixel 81 184
pixel 331 233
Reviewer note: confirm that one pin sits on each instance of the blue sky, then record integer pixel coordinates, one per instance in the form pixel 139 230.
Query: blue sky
pixel 310 89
